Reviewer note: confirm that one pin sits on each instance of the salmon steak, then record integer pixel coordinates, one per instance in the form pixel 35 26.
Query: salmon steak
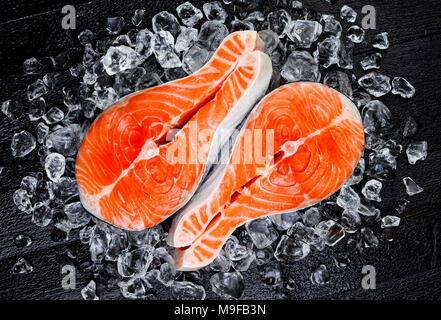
pixel 132 169
pixel 313 143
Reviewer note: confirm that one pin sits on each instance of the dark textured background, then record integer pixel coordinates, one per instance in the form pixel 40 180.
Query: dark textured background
pixel 407 268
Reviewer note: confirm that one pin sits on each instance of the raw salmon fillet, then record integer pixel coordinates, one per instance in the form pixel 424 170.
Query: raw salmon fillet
pixel 127 171
pixel 317 141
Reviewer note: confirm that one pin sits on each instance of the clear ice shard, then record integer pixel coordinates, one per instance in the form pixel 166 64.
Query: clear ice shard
pixel 348 14
pixel 89 291
pixel 390 221
pixel 227 284
pixel 163 48
pixel 299 66
pixel 189 14
pixel 22 266
pixel 416 151
pixel 303 32
pixel 402 87
pixel 411 187
pixel 214 11
pixel 165 21
pixel 22 143
pixel 372 189
pixel 320 275
pixel 262 232
pixel 371 61
pixel 120 58
pixel 376 117
pixel 381 41
pixel 54 164
pixel 355 34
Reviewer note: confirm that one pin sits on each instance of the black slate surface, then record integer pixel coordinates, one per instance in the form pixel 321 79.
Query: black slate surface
pixel 407 268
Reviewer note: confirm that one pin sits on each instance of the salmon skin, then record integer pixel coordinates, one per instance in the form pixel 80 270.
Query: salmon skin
pixel 126 169
pixel 318 139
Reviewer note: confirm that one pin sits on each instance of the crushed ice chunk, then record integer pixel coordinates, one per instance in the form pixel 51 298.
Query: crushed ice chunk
pixel 262 232
pixel 300 65
pixel 357 174
pixel 36 90
pixel 278 21
pixel 350 220
pixel 284 221
pixel 371 61
pixel 372 189
pixel 37 109
pixel 163 48
pixel 104 98
pixel 214 11
pixel 361 98
pixel 133 288
pixel 66 140
pixel 114 25
pixel 227 284
pixel 166 274
pixel 11 109
pixel 125 81
pixel 186 39
pixel 120 58
pixel 189 14
pixel 402 87
pixel 376 117
pixel 327 52
pixel 221 262
pixel 29 184
pixel 416 151
pixel 22 200
pixel 32 66
pixel 212 34
pixel 411 187
pixel 381 41
pixel 270 39
pixel 165 21
pixel 234 250
pixel 303 32
pixel 89 291
pixel 53 115
pixel 410 127
pixel 382 164
pixel 243 264
pixel 369 238
pixel 77 215
pixel 138 17
pixel 348 198
pixel 184 290
pixel 264 255
pixel 355 34
pixel 311 217
pixel 55 164
pixel 51 79
pixel 41 214
pixel 291 248
pixel 86 234
pixel 143 43
pixel 320 275
pixel 22 143
pixel 22 241
pixel 390 221
pixel 332 26
pixel 339 81
pixel 270 273
pixel 135 262
pixel 348 14
pixel 86 37
pixel 22 266
pixel 331 231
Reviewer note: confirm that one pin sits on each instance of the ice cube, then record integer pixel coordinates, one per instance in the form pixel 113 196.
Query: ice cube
pixel 135 262
pixel 348 198
pixel 11 109
pixel 278 21
pixel 382 164
pixel 284 221
pixel 402 87
pixel 214 11
pixel 227 284
pixel 86 37
pixel 22 144
pixel 120 58
pixel 270 273
pixel 37 109
pixel 416 151
pixel 411 187
pixel 148 80
pixel 104 98
pixel 138 17
pixel 29 184
pixel 66 140
pixel 212 34
pixel 375 83
pixel 390 221
pixel 144 43
pixel 330 231
pixel 320 275
pixel 262 232
pixel 221 262
pixel 327 52
pixel 86 234
pixel 41 214
pixel 311 217
pixel 89 291
pixel 270 39
pixel 371 61
pixel 264 255
pixel 350 220
pixel 53 115
pixel 22 200
pixel 299 66
pixel 189 14
pixel 234 250
pixel 36 90
pixel 372 189
pixel 345 54
pixel 163 48
pixel 357 174
pixel 376 117
pixel 332 26
pixel 339 81
pixel 54 164
pixel 348 14
pixel 165 21
pixel 291 248
pixel 32 66
pixel 243 264
pixel 184 290
pixel 186 39
pixel 355 34
pixel 166 274
pixel 381 41
pixel 369 238
pixel 114 25
pixel 125 81
pixel 410 127
pixel 76 214
pixel 22 266
pixel 304 33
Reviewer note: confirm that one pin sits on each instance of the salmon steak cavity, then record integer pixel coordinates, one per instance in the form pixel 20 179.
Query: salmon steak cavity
pixel 131 170
pixel 314 143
